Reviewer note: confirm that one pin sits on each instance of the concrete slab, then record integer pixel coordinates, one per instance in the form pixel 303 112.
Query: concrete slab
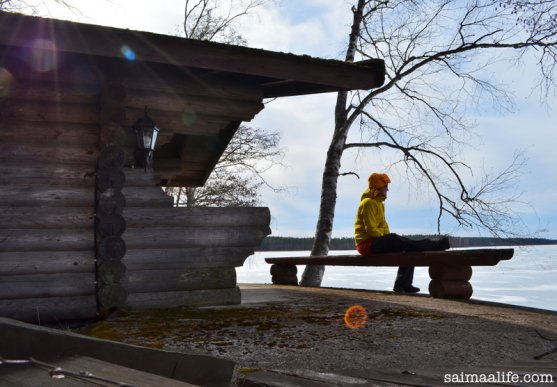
pixel 294 336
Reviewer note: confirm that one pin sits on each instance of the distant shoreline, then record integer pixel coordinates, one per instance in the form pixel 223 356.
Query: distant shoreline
pixel 278 243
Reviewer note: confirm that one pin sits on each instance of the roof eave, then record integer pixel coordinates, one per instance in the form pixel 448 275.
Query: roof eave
pixel 325 75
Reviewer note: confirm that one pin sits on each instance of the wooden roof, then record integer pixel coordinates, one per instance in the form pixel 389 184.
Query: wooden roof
pixel 260 73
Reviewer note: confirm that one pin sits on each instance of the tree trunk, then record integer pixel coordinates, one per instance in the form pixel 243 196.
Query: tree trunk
pixel 190 197
pixel 313 274
pixel 177 194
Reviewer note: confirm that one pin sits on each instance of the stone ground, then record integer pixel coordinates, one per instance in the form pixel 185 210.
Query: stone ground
pixel 292 328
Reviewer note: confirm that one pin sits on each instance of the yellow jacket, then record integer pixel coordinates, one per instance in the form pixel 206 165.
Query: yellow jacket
pixel 370 219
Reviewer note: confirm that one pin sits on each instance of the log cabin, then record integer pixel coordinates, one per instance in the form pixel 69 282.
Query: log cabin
pixel 83 231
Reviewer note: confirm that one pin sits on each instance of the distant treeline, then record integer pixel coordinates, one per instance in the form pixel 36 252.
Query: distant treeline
pixel 275 243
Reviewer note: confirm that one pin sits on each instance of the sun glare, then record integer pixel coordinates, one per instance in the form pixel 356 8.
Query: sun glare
pixel 43 57
pixel 355 317
pixel 6 82
pixel 128 53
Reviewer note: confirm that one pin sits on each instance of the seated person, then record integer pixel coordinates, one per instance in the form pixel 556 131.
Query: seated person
pixel 372 234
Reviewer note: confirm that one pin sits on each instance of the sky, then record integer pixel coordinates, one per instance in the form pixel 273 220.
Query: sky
pixel 320 28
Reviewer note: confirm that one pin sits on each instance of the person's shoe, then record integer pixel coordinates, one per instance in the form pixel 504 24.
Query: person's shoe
pixel 406 289
pixel 444 243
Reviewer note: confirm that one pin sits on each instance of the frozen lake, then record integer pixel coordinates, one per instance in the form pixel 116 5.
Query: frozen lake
pixel 528 279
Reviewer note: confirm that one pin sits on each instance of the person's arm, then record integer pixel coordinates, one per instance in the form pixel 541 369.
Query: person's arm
pixel 384 226
pixel 374 219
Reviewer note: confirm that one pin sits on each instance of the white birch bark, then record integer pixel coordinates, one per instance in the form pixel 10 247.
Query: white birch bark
pixel 313 275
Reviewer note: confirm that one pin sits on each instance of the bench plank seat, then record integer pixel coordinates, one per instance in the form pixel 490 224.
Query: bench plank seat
pixel 476 257
pixel 450 271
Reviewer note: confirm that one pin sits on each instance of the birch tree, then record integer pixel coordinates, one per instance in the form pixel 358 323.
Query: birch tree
pixel 441 58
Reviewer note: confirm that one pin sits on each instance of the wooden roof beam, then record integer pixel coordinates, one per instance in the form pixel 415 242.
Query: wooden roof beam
pixel 23 31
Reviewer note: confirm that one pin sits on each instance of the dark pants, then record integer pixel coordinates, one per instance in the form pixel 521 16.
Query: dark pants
pixel 393 243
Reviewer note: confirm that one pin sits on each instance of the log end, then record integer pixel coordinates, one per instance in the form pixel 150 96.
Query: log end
pixel 112 248
pixel 450 289
pixel 113 297
pixel 284 274
pixel 450 273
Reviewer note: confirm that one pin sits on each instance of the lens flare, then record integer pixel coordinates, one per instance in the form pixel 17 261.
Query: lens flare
pixel 128 53
pixel 355 317
pixel 6 83
pixel 43 56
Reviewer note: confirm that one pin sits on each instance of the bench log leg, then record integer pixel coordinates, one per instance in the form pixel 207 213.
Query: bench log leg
pixel 450 281
pixel 284 274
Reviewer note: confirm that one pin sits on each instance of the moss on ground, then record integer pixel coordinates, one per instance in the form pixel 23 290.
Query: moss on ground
pixel 275 326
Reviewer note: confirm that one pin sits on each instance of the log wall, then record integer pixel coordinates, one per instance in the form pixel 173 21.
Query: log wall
pixel 49 135
pixel 184 256
pixel 59 215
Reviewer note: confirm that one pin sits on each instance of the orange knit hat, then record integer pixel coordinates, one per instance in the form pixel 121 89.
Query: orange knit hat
pixel 378 180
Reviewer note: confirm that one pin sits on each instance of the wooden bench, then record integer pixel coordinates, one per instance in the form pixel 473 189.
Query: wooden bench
pixel 450 271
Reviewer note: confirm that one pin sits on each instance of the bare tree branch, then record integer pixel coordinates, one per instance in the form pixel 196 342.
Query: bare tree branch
pixel 350 173
pixel 212 20
pixel 239 173
pixel 34 8
pixel 438 56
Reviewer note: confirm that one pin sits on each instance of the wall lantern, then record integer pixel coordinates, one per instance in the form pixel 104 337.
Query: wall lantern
pixel 146 133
